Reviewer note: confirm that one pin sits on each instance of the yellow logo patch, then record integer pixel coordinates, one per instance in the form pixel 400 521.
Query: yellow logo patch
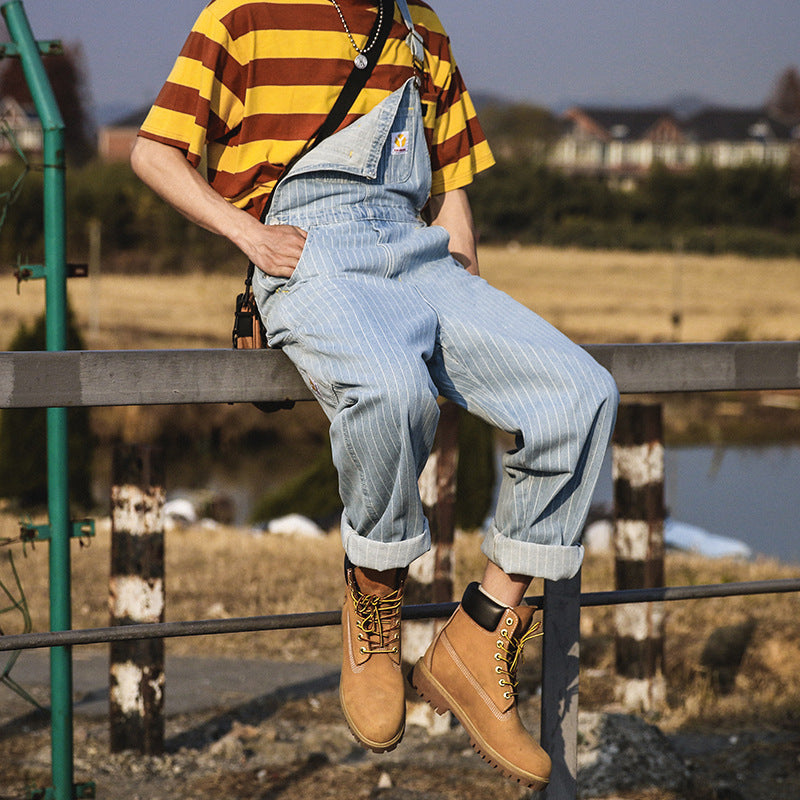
pixel 399 142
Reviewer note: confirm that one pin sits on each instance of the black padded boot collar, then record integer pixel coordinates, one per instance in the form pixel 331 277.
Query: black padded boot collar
pixel 482 609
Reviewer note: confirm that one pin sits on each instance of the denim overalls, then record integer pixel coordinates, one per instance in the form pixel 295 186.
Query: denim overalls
pixel 380 319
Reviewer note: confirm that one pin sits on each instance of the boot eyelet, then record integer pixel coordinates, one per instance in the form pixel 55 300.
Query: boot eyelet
pixel 509 621
pixel 497 657
pixel 498 669
pixel 507 695
pixel 499 642
pixel 504 632
pixel 362 650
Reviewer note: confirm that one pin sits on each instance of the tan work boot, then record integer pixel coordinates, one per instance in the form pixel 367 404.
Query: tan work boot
pixel 372 691
pixel 470 670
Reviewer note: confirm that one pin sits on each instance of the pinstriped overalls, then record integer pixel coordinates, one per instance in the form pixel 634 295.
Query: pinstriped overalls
pixel 380 319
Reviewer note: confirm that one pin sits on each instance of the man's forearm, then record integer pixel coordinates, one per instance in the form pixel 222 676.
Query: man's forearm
pixel 167 172
pixel 275 249
pixel 452 211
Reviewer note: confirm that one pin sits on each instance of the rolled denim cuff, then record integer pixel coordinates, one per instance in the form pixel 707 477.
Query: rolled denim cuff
pixel 554 562
pixel 372 554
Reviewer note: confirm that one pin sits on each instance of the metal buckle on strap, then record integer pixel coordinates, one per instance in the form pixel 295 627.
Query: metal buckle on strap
pixel 415 44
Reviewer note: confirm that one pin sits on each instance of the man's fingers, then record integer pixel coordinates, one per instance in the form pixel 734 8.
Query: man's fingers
pixel 279 249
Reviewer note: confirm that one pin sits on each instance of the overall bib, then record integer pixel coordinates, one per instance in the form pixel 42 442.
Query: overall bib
pixel 380 319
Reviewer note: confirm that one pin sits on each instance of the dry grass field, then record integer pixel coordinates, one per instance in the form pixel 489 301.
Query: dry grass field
pixel 594 296
pixel 602 296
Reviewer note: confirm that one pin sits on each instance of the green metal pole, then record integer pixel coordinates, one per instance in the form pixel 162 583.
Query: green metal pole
pixel 57 452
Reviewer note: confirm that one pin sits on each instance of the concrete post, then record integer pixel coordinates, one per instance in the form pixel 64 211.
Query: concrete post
pixel 638 472
pixel 560 678
pixel 136 594
pixel 430 578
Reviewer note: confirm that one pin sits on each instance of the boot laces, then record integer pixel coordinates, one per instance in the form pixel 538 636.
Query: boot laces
pixel 510 656
pixel 378 621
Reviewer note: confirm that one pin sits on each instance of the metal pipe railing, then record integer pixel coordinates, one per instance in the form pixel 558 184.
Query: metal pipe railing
pixel 316 619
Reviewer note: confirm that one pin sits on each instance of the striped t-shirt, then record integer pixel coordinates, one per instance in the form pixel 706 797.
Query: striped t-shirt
pixel 256 79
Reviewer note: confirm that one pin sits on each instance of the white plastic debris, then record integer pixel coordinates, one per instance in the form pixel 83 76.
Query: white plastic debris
pixel 295 525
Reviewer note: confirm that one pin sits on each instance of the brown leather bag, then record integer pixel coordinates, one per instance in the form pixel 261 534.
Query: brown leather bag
pixel 248 329
pixel 249 334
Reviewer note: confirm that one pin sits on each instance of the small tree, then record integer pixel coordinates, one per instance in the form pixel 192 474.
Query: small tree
pixel 784 102
pixel 23 437
pixel 520 131
pixel 476 476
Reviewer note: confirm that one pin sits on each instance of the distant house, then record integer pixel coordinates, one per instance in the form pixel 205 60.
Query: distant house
pixel 624 143
pixel 618 142
pixel 730 137
pixel 24 128
pixel 115 141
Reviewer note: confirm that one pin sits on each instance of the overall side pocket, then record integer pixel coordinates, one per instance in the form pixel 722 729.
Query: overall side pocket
pixel 266 285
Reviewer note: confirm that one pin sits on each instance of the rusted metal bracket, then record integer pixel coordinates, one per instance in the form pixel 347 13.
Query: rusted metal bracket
pixel 32 272
pixel 47 47
pixel 81 529
pixel 80 791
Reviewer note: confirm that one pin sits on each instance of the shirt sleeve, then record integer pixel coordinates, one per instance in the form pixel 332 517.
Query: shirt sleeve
pixel 459 149
pixel 202 99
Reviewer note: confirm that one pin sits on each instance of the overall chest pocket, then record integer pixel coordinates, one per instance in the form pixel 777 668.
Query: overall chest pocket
pixel 397 159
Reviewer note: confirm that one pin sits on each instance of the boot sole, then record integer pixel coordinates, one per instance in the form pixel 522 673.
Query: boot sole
pixel 433 693
pixel 376 747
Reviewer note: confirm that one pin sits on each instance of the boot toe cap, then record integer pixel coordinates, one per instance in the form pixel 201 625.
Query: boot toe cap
pixel 378 722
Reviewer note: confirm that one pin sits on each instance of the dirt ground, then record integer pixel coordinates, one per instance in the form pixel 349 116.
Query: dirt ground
pixel 742 745
pixel 300 749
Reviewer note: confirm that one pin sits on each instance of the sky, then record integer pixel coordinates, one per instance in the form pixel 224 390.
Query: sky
pixel 727 52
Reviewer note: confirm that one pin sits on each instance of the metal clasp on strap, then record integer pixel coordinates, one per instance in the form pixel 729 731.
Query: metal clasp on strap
pixel 413 41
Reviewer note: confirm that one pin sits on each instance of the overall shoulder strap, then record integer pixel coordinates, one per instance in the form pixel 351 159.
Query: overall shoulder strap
pixel 413 40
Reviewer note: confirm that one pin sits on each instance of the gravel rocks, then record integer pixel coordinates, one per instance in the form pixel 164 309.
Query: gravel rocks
pixel 620 752
pixel 301 749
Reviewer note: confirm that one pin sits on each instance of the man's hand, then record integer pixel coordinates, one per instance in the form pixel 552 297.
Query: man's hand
pixel 274 249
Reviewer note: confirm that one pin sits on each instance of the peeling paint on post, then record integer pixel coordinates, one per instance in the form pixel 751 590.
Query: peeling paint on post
pixel 638 473
pixel 136 595
pixel 430 578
